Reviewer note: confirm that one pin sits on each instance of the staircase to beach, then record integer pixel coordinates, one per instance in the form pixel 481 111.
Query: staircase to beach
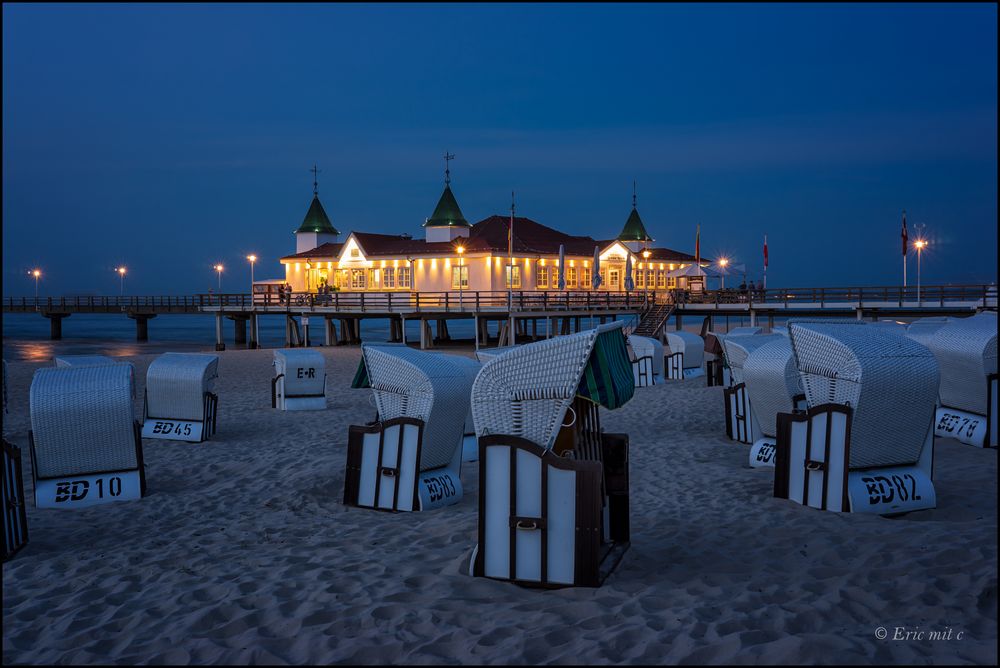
pixel 653 320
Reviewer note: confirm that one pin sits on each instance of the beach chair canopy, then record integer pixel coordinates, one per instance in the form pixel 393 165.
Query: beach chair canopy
pixel 644 346
pixel 432 387
pixel 889 380
pixel 743 331
pixel 779 329
pixel 486 354
pixel 301 384
pixel 923 328
pixel 82 419
pixel 966 351
pixel 772 379
pixel 691 345
pixel 83 360
pixel 176 384
pixel 737 348
pixel 528 391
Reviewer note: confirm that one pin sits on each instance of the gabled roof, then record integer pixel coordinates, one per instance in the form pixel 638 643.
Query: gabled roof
pixel 316 219
pixel 634 230
pixel 447 213
pixel 668 255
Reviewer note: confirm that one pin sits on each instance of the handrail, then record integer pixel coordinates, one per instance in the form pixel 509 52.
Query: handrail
pixel 522 300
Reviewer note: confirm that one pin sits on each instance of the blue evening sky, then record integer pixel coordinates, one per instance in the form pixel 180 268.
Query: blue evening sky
pixel 174 137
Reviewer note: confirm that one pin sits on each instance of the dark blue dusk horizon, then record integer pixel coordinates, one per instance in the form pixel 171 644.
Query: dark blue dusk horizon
pixel 172 138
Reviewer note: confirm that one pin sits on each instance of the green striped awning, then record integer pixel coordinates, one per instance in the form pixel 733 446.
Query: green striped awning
pixel 361 376
pixel 607 379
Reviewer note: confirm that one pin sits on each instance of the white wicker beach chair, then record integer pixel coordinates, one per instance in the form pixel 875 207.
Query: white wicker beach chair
pixel 180 403
pixel 410 458
pixel 773 387
pixel 553 488
pixel 780 329
pixel 966 351
pixel 83 360
pixel 647 364
pixel 15 519
pixel 85 442
pixel 299 382
pixel 865 444
pixel 739 414
pixel 685 355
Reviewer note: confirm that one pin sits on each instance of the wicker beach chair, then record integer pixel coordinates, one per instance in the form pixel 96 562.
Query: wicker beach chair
pixel 773 387
pixel 180 403
pixel 685 356
pixel 553 487
pixel 647 362
pixel 15 519
pixel 83 360
pixel 410 458
pixel 865 443
pixel 299 382
pixel 85 442
pixel 966 351
pixel 739 413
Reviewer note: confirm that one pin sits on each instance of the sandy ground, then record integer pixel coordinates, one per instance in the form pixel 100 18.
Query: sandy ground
pixel 242 552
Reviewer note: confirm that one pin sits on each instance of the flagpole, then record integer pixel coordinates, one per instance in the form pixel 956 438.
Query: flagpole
pixel 765 262
pixel 510 273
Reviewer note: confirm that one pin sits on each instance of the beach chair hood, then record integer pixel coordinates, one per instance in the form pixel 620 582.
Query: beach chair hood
pixel 644 346
pixel 176 384
pixel 527 391
pixel 432 387
pixel 966 350
pixel 66 403
pixel 690 345
pixel 738 347
pixel 772 380
pixel 889 380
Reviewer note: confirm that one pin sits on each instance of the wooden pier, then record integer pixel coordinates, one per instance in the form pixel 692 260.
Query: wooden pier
pixel 520 314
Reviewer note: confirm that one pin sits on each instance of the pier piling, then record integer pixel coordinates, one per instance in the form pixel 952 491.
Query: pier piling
pixel 55 324
pixel 141 325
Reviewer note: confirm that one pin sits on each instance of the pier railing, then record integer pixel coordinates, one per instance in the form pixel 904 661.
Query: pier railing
pixel 983 296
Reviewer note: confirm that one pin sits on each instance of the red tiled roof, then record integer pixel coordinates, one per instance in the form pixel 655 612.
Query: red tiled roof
pixel 529 237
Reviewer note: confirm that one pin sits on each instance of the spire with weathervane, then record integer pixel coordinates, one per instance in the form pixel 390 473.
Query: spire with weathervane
pixel 316 228
pixel 634 235
pixel 447 222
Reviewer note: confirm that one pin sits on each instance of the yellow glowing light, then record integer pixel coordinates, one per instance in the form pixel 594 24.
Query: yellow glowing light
pixel 120 270
pixel 383 263
pixel 395 263
pixel 723 261
pixel 252 258
pixel 218 268
pixel 460 249
pixel 920 244
pixel 35 272
pixel 645 253
pixel 543 261
pixel 434 263
pixel 447 262
pixel 571 263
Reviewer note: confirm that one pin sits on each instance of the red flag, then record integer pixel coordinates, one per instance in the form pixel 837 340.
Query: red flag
pixel 905 237
pixel 765 251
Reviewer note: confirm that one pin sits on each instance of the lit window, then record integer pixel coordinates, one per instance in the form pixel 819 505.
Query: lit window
pixel 357 279
pixel 585 280
pixel 517 277
pixel 459 278
pixel 403 274
pixel 388 278
pixel 542 277
pixel 355 252
pixel 571 277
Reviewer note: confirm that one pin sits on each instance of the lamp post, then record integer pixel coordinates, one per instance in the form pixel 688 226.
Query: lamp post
pixel 461 265
pixel 919 244
pixel 253 259
pixel 723 262
pixel 36 273
pixel 218 269
pixel 121 271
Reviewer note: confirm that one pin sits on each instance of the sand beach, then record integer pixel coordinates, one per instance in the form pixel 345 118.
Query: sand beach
pixel 242 552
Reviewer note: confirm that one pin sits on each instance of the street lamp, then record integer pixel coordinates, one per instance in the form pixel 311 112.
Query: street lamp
pixel 919 244
pixel 36 273
pixel 218 269
pixel 253 259
pixel 121 272
pixel 723 262
pixel 461 265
